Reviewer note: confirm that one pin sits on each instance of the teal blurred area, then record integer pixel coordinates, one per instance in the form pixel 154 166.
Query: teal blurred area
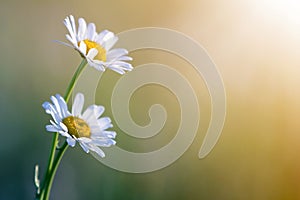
pixel 256 50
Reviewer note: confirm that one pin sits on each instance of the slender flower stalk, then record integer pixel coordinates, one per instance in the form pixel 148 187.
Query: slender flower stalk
pixel 47 184
pixel 74 79
pixel 49 179
pixel 52 162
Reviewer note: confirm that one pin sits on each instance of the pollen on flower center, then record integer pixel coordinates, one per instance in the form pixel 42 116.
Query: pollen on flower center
pixel 77 127
pixel 101 51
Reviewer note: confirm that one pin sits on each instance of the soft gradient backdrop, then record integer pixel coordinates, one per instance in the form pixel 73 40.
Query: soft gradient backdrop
pixel 254 43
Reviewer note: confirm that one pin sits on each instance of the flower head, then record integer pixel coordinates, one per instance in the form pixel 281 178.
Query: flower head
pixel 87 129
pixel 96 48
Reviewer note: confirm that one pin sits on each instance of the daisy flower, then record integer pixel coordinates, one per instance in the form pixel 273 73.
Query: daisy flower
pixel 96 48
pixel 87 129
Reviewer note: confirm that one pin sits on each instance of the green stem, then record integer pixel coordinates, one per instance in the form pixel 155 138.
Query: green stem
pixel 54 169
pixel 52 153
pixel 74 79
pixel 53 161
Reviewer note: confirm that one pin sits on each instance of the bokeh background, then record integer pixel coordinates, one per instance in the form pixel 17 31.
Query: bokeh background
pixel 254 43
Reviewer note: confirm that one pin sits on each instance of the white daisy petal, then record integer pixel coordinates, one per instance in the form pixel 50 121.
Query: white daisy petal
pixel 63 105
pixel 50 109
pixel 125 58
pixel 89 113
pixel 98 151
pixel 64 134
pixel 63 126
pixel 57 106
pixel 98 130
pixel 98 111
pixel 109 35
pixel 85 140
pixel 100 37
pixel 68 23
pixel 121 64
pixel 91 31
pixel 47 106
pixel 81 29
pixel 104 134
pixel 52 128
pixel 78 104
pixel 55 124
pixel 110 134
pixel 56 117
pixel 68 26
pixel 82 47
pixel 84 146
pixel 110 43
pixel 73 25
pixel 104 123
pixel 104 142
pixel 115 53
pixel 92 53
pixel 71 141
pixel 97 64
pixel 117 69
pixel 72 40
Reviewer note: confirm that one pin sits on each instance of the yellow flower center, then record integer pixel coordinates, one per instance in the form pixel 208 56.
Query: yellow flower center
pixel 77 127
pixel 101 51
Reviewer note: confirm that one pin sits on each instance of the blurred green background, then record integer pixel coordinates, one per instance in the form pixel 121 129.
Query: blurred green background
pixel 255 45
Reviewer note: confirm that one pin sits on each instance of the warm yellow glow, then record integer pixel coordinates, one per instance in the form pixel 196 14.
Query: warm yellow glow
pixel 287 11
